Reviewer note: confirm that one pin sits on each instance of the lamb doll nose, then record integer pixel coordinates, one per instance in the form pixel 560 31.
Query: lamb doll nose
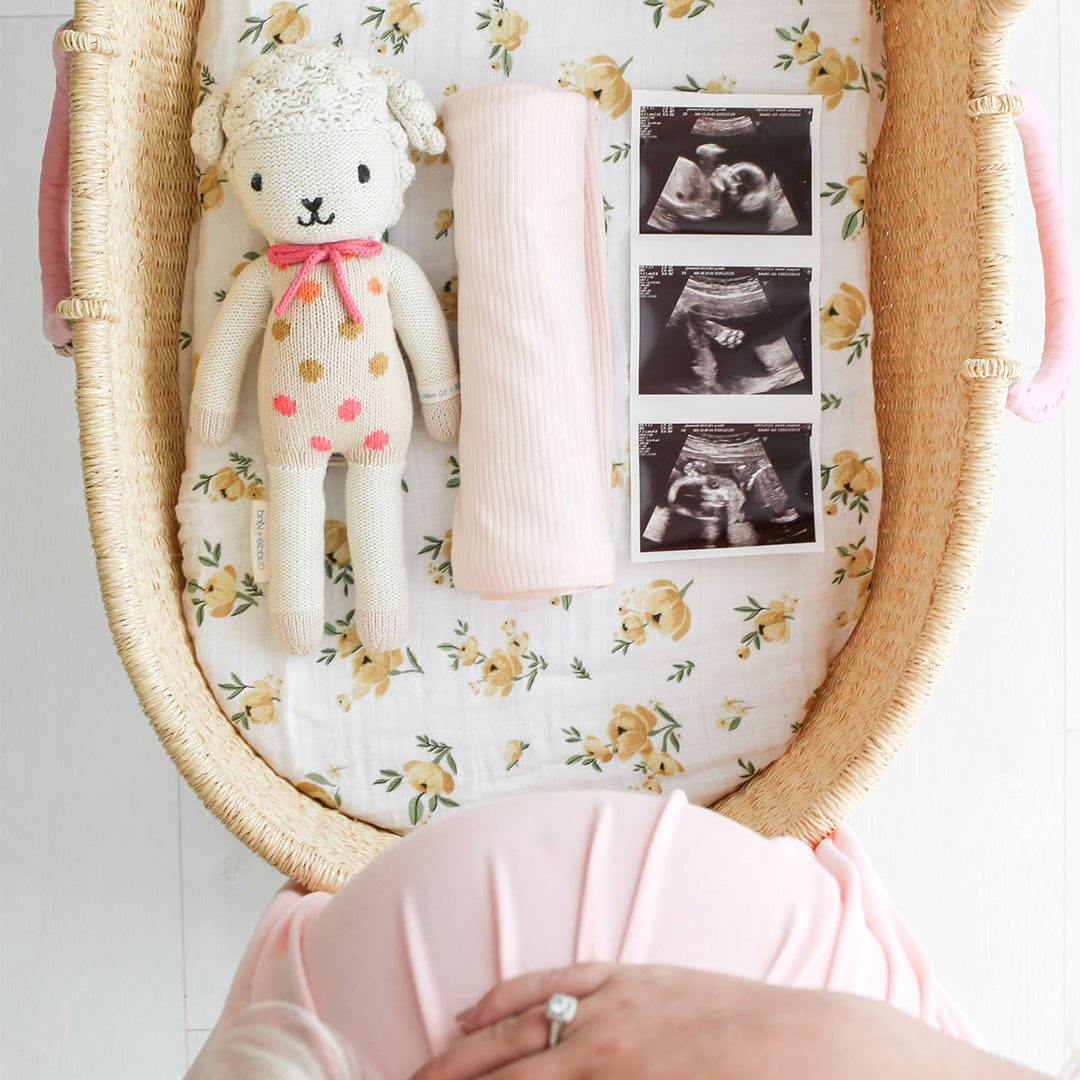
pixel 312 204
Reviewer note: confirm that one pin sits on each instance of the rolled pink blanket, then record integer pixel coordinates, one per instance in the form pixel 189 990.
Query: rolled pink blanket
pixel 533 510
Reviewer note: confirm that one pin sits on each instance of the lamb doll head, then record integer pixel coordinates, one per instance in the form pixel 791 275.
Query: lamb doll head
pixel 315 142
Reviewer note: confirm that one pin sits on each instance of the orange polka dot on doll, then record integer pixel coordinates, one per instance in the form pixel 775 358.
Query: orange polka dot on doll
pixel 374 286
pixel 309 292
pixel 285 405
pixel 320 443
pixel 377 440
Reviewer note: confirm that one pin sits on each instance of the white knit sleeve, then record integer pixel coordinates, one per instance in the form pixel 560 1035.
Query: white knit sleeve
pixel 236 328
pixel 420 324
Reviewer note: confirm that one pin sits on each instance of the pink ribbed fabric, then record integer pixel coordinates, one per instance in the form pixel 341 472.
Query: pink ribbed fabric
pixel 533 509
pixel 54 197
pixel 550 880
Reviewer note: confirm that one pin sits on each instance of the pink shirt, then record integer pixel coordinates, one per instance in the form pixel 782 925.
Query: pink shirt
pixel 549 880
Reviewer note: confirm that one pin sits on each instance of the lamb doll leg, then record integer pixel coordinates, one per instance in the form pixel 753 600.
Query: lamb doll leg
pixel 374 515
pixel 295 555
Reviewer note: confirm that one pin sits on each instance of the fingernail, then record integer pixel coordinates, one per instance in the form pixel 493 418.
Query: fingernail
pixel 466 1015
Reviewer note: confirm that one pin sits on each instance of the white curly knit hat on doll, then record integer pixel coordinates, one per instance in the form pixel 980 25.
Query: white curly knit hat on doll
pixel 305 90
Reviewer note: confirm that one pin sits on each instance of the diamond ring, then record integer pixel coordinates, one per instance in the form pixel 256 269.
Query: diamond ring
pixel 559 1011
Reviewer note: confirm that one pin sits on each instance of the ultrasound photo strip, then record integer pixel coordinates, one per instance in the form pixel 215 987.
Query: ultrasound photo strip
pixel 737 331
pixel 708 488
pixel 741 170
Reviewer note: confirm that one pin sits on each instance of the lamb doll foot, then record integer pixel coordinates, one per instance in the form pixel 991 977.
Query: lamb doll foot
pixel 298 632
pixel 381 631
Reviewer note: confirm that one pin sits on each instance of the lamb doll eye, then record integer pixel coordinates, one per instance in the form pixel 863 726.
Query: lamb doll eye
pixel 256 182
pixel 363 173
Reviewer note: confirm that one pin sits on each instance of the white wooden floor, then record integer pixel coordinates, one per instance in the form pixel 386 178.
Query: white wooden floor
pixel 125 906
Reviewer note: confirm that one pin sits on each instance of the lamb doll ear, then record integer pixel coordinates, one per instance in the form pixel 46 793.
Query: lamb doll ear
pixel 207 134
pixel 407 104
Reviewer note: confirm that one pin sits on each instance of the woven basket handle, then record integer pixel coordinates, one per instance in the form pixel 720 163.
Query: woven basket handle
pixel 1041 397
pixel 54 195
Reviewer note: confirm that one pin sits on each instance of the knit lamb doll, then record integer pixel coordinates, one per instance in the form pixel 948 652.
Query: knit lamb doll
pixel 314 141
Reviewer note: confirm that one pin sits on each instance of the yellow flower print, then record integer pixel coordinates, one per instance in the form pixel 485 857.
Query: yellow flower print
pixel 733 712
pixel 319 794
pixel 806 47
pixel 512 752
pixel 438 549
pixel 770 622
pixel 285 25
pixel 628 730
pixel 258 700
pixel 852 479
pixel 841 322
pixel 371 671
pixel 722 85
pixel 401 19
pixel 630 733
pixel 857 561
pixel 595 750
pixel 348 641
pixel 505 28
pixel 677 9
pixel 223 593
pixel 804 43
pixel 498 672
pixel 444 219
pixel 500 669
pixel 661 764
pixel 830 75
pixel 660 606
pixel 856 189
pixel 210 189
pixel 469 651
pixel 227 485
pixel 336 543
pixel 220 592
pixel 601 79
pixel 856 186
pixel 665 609
pixel 403 16
pixel 428 779
pixel 232 482
pixel 337 558
pixel 448 298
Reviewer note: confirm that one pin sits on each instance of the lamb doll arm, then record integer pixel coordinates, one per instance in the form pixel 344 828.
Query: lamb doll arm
pixel 420 324
pixel 236 328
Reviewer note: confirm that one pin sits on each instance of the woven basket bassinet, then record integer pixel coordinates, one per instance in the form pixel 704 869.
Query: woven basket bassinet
pixel 941 240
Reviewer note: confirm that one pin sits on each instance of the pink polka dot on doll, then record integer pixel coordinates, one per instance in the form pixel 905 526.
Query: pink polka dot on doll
pixel 320 443
pixel 349 410
pixel 377 440
pixel 285 405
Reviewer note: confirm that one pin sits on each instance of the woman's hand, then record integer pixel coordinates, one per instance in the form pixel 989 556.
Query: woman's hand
pixel 649 1022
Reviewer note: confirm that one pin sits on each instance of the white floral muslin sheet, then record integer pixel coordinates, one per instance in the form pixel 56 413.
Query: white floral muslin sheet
pixel 693 674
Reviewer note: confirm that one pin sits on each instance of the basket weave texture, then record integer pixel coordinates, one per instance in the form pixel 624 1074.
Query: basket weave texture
pixel 941 221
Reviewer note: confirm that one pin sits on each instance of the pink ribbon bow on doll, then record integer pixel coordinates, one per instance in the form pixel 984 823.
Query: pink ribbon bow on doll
pixel 309 255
